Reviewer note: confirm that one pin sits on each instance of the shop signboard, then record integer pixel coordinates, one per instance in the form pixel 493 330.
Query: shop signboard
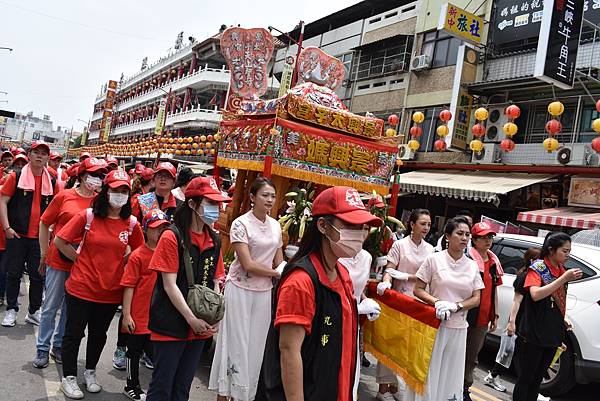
pixel 520 19
pixel 461 104
pixel 287 74
pixel 584 192
pixel 461 24
pixel 160 117
pixel 558 42
pixel 109 103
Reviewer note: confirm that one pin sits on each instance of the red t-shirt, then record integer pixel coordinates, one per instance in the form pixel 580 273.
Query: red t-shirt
pixel 486 312
pixel 533 279
pixel 165 260
pixel 138 276
pixel 296 305
pixel 96 274
pixel 9 188
pixel 59 212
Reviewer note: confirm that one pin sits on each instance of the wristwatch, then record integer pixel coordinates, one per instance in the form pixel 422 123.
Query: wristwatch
pixel 460 306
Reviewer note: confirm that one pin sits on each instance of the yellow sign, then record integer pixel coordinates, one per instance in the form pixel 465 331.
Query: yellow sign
pixel 286 76
pixel 461 24
pixel 160 117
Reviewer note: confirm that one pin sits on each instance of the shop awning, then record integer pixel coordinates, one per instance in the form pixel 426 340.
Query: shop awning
pixel 563 216
pixel 475 185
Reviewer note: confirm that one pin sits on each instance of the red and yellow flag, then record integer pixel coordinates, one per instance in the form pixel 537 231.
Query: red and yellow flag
pixel 403 336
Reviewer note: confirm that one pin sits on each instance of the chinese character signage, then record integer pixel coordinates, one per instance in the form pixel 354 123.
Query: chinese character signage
pixel 337 119
pixel 160 117
pixel 109 103
pixel 287 74
pixel 461 104
pixel 584 192
pixel 558 42
pixel 520 19
pixel 461 24
pixel 318 67
pixel 307 153
pixel 247 52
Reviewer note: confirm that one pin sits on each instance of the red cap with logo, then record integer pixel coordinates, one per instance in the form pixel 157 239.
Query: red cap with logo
pixel 117 178
pixel 155 218
pixel 206 187
pixel 73 170
pixel 111 160
pixel 139 169
pixel 147 174
pixel 20 156
pixel 90 165
pixel 6 153
pixel 84 155
pixel 482 229
pixel 55 156
pixel 166 166
pixel 40 144
pixel 345 204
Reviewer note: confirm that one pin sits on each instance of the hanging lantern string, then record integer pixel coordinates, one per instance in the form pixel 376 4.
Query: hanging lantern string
pixel 553 92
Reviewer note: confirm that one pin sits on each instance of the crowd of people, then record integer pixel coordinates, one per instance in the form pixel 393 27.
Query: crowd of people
pixel 94 238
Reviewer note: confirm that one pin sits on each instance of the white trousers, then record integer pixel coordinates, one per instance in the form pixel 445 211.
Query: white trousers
pixel 241 343
pixel 446 368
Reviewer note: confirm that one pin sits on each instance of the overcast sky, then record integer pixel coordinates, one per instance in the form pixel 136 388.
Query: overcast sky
pixel 65 50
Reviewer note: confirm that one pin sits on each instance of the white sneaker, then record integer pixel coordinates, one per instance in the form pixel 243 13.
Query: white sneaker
pixel 494 382
pixel 542 398
pixel 70 388
pixel 34 318
pixel 91 383
pixel 10 318
pixel 385 396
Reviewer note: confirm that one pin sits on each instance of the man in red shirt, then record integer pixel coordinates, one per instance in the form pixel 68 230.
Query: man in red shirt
pixel 23 198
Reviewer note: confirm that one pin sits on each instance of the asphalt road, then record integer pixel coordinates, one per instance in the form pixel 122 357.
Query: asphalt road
pixel 20 381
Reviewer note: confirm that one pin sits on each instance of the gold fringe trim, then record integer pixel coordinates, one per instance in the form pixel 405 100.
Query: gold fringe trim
pixel 241 164
pixel 327 180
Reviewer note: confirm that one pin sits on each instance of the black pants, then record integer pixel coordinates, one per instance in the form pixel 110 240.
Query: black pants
pixel 136 344
pixel 81 314
pixel 121 337
pixel 532 363
pixel 21 251
pixel 175 365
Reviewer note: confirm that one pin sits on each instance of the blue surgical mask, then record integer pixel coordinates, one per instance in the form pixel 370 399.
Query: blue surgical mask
pixel 211 213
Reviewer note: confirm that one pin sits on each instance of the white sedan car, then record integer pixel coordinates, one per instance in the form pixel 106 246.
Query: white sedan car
pixel 580 364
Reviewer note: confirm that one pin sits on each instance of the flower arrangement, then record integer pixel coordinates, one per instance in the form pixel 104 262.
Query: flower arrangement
pixel 298 213
pixel 380 241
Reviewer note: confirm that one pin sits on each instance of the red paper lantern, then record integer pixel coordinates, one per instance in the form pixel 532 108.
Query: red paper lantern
pixel 416 131
pixel 512 111
pixel 445 115
pixel 440 145
pixel 553 127
pixel 478 130
pixel 596 144
pixel 598 106
pixel 393 120
pixel 507 145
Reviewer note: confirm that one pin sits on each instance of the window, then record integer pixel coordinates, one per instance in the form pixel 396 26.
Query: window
pixel 429 128
pixel 586 134
pixel 383 58
pixel 441 48
pixel 573 263
pixel 536 132
pixel 511 258
pixel 346 59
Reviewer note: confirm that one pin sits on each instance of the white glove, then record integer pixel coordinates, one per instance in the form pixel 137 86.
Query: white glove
pixel 396 274
pixel 384 285
pixel 442 314
pixel 370 308
pixel 279 269
pixel 446 305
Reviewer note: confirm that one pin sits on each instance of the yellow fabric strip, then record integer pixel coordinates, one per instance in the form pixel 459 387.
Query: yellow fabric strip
pixel 240 164
pixel 402 343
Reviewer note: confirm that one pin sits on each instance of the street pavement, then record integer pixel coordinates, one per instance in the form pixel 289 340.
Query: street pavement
pixel 20 381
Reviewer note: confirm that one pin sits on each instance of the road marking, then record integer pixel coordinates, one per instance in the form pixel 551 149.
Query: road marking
pixel 483 393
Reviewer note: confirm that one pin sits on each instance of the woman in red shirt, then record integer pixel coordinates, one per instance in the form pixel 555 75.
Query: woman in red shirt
pixel 178 335
pixel 93 291
pixel 56 267
pixel 311 350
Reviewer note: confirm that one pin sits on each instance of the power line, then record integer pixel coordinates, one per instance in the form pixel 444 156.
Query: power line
pixel 82 24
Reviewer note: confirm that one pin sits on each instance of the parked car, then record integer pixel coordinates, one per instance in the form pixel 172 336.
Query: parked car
pixel 580 364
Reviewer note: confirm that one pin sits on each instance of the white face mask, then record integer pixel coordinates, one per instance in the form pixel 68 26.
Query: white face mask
pixel 349 244
pixel 93 183
pixel 116 199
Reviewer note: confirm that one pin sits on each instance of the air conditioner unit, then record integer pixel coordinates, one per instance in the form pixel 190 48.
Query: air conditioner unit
pixel 419 63
pixel 405 152
pixel 495 122
pixel 490 154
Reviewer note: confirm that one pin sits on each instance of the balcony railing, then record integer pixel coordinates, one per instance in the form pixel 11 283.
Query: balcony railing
pixel 522 64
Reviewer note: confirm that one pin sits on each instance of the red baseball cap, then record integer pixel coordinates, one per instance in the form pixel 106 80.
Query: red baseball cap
pixel 155 218
pixel 166 166
pixel 20 151
pixel 111 160
pixel 482 229
pixel 147 174
pixel 345 204
pixel 6 153
pixel 52 172
pixel 55 155
pixel 38 144
pixel 90 165
pixel 73 170
pixel 84 155
pixel 21 156
pixel 206 187
pixel 139 169
pixel 117 178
